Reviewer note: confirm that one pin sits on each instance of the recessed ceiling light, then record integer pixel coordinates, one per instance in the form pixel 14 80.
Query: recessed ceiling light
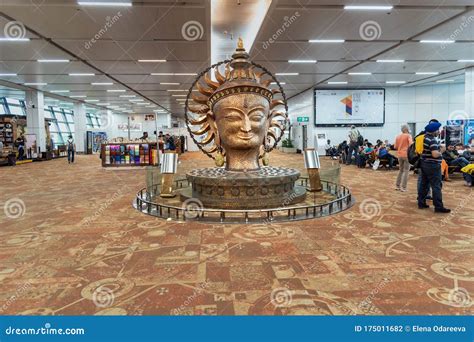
pixel 102 83
pixel 302 61
pixel 78 96
pixel 185 74
pixel 444 81
pixel 59 91
pixel 337 82
pixel 8 74
pixel 53 60
pixel 466 60
pixel 161 74
pixel 176 90
pixel 281 83
pixel 116 90
pixel 169 83
pixel 105 3
pixel 390 60
pixel 35 83
pixel 429 41
pixel 7 39
pixel 359 73
pixel 326 40
pixel 286 74
pixel 152 60
pixel 426 73
pixel 136 100
pixel 82 74
pixel 91 100
pixel 127 96
pixel 179 95
pixel 368 7
pixel 395 82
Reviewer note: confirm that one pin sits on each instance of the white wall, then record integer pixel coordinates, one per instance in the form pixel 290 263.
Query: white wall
pixel 402 105
pixel 165 123
pixel 147 126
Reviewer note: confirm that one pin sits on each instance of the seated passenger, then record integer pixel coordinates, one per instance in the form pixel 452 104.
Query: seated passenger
pixel 468 174
pixel 384 154
pixel 453 159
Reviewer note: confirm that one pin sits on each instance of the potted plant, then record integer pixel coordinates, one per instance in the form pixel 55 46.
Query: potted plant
pixel 287 146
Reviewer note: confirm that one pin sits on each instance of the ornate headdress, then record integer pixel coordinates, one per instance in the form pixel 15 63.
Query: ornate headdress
pixel 241 76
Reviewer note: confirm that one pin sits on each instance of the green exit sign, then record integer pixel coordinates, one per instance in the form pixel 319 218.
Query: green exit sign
pixel 302 119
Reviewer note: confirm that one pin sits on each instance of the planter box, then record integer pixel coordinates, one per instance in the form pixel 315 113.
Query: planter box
pixel 289 149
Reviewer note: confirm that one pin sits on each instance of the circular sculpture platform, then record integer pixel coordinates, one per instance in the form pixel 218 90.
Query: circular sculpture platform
pixel 269 187
pixel 332 199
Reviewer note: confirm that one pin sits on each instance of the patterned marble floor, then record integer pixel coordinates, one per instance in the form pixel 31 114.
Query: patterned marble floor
pixel 71 244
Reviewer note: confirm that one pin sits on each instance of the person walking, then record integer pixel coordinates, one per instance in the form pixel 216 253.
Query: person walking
pixel 71 149
pixel 430 165
pixel 354 135
pixel 402 142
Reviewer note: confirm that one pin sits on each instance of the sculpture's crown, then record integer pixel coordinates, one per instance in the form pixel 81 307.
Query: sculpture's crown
pixel 240 78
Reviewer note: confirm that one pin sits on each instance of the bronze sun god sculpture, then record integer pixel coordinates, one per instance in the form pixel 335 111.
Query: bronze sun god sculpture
pixel 237 120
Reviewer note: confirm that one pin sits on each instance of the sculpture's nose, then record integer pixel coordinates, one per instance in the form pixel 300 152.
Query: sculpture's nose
pixel 246 125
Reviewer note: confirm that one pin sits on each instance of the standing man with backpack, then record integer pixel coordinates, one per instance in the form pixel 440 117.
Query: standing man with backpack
pixel 414 153
pixel 355 140
pixel 71 149
pixel 430 163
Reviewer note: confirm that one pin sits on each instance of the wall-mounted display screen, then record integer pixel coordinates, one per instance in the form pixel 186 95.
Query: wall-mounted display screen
pixel 345 107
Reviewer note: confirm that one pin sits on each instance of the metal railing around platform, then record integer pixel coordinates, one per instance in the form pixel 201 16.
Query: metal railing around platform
pixel 343 200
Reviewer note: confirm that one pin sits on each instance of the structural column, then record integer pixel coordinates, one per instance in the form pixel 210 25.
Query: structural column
pixel 469 92
pixel 80 127
pixel 35 117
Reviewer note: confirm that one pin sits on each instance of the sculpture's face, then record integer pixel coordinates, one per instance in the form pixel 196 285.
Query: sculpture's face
pixel 242 121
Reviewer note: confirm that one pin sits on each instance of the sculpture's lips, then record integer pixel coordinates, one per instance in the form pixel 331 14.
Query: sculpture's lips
pixel 245 137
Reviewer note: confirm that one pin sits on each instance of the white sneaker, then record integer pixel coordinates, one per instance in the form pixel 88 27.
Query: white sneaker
pixel 403 190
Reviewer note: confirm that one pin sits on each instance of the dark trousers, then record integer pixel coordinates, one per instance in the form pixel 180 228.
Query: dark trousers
pixel 353 148
pixel 468 178
pixel 70 156
pixel 461 161
pixel 430 178
pixel 391 159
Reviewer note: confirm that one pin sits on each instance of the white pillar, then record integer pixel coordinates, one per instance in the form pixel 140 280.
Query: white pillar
pixel 168 120
pixel 80 127
pixel 469 92
pixel 35 117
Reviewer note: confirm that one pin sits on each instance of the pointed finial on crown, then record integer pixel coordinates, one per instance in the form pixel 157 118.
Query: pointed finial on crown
pixel 240 43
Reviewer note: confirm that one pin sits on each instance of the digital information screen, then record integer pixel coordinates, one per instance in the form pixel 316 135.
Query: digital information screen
pixel 345 107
